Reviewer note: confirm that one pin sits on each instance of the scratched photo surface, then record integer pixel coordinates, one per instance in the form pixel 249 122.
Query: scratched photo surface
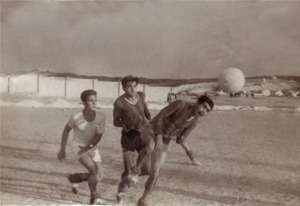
pixel 248 146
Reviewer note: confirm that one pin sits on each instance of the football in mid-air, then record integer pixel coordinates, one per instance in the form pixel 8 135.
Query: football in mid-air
pixel 231 80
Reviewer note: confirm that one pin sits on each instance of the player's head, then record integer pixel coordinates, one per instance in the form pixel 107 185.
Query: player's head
pixel 129 85
pixel 89 99
pixel 171 97
pixel 204 104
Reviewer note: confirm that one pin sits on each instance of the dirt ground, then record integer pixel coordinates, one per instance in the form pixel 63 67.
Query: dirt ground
pixel 248 159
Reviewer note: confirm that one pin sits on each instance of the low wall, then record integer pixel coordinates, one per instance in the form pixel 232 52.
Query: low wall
pixel 52 86
pixel 75 86
pixel 23 83
pixel 157 94
pixel 108 90
pixel 72 87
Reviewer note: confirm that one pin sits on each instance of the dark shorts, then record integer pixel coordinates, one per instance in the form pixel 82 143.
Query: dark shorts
pixel 131 141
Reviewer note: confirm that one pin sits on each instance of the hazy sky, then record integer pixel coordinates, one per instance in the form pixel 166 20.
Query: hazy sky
pixel 169 39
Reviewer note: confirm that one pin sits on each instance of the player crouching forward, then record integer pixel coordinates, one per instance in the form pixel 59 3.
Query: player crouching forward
pixel 156 136
pixel 88 126
pixel 181 136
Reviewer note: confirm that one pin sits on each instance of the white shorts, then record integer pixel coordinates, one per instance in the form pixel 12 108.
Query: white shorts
pixel 93 152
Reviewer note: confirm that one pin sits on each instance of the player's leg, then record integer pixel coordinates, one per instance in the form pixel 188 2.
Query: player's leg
pixel 97 160
pixel 157 161
pixel 91 160
pixel 95 156
pixel 189 152
pixel 146 146
pixel 145 153
pixel 76 178
pixel 129 160
pixel 145 170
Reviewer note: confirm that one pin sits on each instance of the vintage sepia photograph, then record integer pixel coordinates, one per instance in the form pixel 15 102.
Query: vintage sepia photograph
pixel 150 103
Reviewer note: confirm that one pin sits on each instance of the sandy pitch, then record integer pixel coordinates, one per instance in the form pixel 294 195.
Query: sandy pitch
pixel 248 158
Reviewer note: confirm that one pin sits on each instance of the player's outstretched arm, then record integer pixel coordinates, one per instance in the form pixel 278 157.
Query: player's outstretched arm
pixel 159 143
pixel 146 109
pixel 62 152
pixel 117 115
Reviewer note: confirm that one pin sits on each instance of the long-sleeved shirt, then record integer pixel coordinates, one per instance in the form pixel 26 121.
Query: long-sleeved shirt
pixel 187 128
pixel 175 119
pixel 125 113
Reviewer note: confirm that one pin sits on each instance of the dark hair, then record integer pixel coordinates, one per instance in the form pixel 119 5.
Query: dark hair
pixel 170 95
pixel 85 94
pixel 127 79
pixel 205 98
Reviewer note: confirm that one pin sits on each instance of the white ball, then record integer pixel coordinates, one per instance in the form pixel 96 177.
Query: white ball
pixel 231 80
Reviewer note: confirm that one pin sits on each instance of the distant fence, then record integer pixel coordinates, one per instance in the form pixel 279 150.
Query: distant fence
pixel 34 83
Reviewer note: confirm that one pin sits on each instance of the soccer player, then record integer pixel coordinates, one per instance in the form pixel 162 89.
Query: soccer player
pixel 156 135
pixel 131 113
pixel 171 97
pixel 181 136
pixel 88 126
